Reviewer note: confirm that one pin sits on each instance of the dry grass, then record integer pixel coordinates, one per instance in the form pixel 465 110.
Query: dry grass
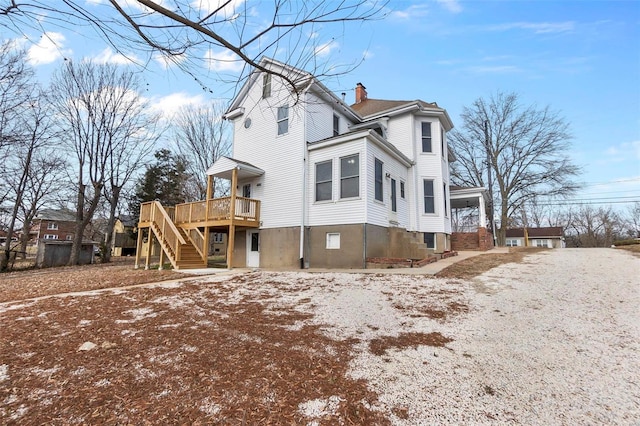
pixel 30 283
pixel 633 248
pixel 474 266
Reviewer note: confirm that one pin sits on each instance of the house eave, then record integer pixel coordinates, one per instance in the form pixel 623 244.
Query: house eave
pixel 366 133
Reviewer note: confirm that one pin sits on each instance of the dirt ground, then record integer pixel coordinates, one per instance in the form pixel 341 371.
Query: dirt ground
pixel 239 349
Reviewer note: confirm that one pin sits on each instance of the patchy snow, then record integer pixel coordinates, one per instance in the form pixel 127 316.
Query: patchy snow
pixel 320 407
pixel 4 372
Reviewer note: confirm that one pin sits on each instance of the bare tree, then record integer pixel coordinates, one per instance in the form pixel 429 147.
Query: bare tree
pixel 201 138
pixel 525 148
pixel 37 139
pixel 595 227
pixel 16 89
pixel 132 139
pixel 633 220
pixel 203 34
pixel 96 104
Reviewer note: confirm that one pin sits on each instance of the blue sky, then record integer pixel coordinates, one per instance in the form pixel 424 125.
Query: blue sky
pixel 582 58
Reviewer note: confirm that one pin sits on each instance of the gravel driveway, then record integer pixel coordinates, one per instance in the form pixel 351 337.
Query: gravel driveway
pixel 554 340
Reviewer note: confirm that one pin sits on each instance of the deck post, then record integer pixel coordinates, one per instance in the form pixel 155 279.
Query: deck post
pixel 149 245
pixel 160 267
pixel 232 217
pixel 138 248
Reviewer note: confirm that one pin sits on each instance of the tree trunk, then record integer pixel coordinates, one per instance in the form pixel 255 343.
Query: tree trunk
pixel 108 241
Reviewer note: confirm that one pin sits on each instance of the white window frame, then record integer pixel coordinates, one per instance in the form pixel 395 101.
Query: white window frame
pixel 426 138
pixel 50 237
pixel 266 85
pixel 330 181
pixel 434 240
pixel 52 226
pixel 356 176
pixel 432 196
pixel 333 240
pixel 511 242
pixel 217 237
pixel 336 124
pixel 283 120
pixel 378 181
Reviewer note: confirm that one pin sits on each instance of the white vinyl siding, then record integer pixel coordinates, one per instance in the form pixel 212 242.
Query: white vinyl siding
pixel 338 211
pixel 380 213
pixel 281 157
pixel 319 119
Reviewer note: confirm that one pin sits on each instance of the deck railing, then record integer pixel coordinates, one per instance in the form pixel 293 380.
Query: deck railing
pixel 219 209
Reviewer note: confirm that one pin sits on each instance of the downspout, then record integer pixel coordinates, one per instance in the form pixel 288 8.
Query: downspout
pixel 305 154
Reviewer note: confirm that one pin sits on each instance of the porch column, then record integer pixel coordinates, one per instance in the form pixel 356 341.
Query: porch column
pixel 482 212
pixel 138 248
pixel 209 196
pixel 232 217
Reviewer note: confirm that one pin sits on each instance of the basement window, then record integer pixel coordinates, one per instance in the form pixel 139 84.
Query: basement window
pixel 333 240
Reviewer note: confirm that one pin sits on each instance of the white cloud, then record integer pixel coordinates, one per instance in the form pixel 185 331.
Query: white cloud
pixel 49 49
pixel 414 11
pixel 210 6
pixel 623 152
pixel 452 6
pixel 223 61
pixel 165 61
pixel 326 48
pixel 367 54
pixel 128 4
pixel 536 27
pixel 170 104
pixel 108 56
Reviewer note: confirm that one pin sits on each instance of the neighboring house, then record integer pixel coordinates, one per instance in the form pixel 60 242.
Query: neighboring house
pixel 123 241
pixel 551 237
pixel 320 183
pixel 51 224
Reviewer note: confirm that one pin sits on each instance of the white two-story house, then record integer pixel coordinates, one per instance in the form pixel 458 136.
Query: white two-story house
pixel 337 183
pixel 320 183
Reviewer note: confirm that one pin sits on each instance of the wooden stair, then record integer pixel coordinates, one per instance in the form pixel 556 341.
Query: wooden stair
pixel 184 255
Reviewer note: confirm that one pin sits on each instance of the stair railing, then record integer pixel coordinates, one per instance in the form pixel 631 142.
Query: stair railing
pixel 168 232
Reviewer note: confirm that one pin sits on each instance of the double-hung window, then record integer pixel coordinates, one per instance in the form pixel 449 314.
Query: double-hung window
pixel 429 197
pixel 444 198
pixel 52 226
pixel 266 85
pixel 324 182
pixel 283 119
pixel 442 144
pixel 350 176
pixel 336 125
pixel 426 137
pixel 394 204
pixel 378 179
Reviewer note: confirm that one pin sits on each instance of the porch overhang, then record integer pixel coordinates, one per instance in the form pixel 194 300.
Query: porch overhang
pixel 224 167
pixel 467 197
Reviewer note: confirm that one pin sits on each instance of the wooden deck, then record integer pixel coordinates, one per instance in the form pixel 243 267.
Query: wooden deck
pixel 183 230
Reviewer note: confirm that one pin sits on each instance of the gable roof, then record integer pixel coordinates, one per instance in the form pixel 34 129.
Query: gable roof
pixel 224 166
pixel 371 109
pixel 62 215
pixel 543 232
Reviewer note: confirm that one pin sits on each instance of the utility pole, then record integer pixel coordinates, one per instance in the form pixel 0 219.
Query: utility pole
pixel 487 148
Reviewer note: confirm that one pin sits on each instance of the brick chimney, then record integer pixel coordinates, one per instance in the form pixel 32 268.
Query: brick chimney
pixel 361 93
